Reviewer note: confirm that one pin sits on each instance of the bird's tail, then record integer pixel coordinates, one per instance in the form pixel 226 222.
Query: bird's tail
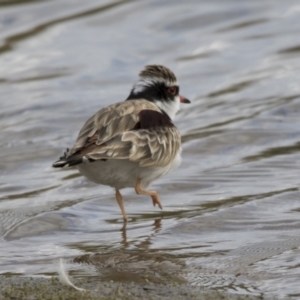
pixel 67 161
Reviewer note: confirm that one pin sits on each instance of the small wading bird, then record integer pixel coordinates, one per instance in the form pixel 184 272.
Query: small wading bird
pixel 134 142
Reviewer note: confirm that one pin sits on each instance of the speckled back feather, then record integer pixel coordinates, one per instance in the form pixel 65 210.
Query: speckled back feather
pixel 112 134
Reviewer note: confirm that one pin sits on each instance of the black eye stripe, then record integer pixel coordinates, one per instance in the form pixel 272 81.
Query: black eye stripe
pixel 158 90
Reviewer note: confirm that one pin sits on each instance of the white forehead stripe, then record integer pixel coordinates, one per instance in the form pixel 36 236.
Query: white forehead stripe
pixel 145 82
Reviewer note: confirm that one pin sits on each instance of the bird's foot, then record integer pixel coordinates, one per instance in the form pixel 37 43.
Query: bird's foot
pixel 155 200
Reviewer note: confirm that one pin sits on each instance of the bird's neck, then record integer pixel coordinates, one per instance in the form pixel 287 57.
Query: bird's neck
pixel 169 107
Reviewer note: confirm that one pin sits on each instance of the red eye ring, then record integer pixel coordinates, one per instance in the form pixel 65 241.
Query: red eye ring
pixel 173 90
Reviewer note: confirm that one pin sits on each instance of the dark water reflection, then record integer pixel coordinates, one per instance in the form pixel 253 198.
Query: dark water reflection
pixel 231 211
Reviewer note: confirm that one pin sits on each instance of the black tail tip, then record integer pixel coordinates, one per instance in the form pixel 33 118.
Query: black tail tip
pixel 62 160
pixel 59 164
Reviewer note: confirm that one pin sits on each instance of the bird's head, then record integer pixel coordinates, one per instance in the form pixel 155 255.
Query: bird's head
pixel 159 85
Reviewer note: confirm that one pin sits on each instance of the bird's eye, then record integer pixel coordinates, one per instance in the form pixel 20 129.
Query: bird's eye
pixel 173 90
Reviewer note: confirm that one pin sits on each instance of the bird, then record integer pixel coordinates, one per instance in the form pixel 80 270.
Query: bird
pixel 134 142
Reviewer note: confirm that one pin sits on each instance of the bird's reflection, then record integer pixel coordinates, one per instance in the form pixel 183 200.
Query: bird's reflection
pixel 127 241
pixel 124 235
pixel 156 228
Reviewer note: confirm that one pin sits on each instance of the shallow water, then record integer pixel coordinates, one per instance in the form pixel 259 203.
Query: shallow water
pixel 231 211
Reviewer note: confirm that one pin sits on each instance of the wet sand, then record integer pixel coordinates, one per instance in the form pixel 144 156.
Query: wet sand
pixel 15 287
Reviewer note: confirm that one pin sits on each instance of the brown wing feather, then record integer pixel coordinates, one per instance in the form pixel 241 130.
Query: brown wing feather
pixel 153 147
pixel 110 122
pixel 116 132
pixel 149 147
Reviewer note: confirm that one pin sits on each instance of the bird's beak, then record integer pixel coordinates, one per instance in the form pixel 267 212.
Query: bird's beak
pixel 184 100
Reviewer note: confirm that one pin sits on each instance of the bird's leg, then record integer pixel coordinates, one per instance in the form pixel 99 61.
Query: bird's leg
pixel 120 202
pixel 153 194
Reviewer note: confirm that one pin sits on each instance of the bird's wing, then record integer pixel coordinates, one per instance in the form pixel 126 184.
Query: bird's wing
pixel 136 130
pixel 153 147
pixel 109 122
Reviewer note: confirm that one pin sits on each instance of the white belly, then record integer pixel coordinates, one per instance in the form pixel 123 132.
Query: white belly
pixel 120 174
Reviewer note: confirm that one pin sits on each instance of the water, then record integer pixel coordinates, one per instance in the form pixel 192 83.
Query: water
pixel 231 211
